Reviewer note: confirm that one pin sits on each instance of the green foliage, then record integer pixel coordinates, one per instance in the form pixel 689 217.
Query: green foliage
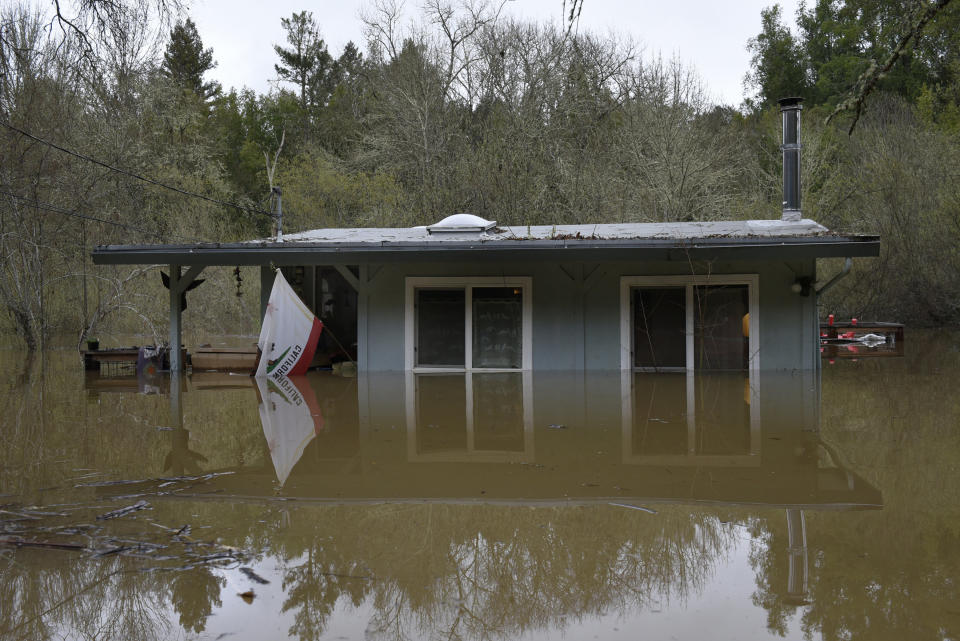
pixel 186 61
pixel 319 192
pixel 519 123
pixel 307 63
pixel 896 177
pixel 777 62
pixel 837 40
pixel 248 127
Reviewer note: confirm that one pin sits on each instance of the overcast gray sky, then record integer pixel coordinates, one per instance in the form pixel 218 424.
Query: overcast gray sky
pixel 707 34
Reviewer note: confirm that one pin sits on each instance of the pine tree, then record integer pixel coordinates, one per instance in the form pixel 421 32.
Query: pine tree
pixel 185 60
pixel 777 65
pixel 348 65
pixel 307 63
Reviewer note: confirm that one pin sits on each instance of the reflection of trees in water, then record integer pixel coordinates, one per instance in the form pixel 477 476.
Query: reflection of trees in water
pixel 193 594
pixel 313 586
pixel 482 571
pixel 891 573
pixel 52 599
pixel 468 571
pixel 50 596
pixel 870 577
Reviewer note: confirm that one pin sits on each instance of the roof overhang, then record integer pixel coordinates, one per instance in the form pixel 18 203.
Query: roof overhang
pixel 577 249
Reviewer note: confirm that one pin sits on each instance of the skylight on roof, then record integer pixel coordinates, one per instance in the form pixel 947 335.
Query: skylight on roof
pixel 460 223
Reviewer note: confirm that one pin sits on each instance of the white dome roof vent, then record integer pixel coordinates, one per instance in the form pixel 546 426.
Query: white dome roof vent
pixel 461 224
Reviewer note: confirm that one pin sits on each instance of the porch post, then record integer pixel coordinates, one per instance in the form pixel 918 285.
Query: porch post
pixel 267 276
pixel 179 283
pixel 175 317
pixel 363 316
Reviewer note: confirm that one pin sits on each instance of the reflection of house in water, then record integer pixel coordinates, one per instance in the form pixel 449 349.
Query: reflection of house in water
pixel 471 417
pixel 556 437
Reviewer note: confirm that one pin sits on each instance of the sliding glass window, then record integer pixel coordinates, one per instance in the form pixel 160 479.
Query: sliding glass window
pixel 456 323
pixel 440 329
pixel 679 323
pixel 720 330
pixel 659 328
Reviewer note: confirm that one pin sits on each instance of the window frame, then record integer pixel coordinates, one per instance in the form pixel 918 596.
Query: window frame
pixel 413 283
pixel 688 282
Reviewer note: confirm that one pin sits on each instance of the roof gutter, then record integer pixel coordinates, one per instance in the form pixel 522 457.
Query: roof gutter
pixel 293 253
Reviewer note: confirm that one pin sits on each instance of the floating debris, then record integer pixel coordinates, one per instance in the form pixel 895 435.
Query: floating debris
pixel 634 507
pixel 556 426
pixel 116 550
pixel 16 542
pixel 136 507
pixel 247 596
pixel 168 479
pixel 253 576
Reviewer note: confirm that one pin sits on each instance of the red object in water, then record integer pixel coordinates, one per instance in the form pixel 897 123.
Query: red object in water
pixel 846 335
pixel 830 320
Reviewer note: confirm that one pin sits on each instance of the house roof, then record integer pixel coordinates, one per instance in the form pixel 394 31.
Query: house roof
pixel 747 240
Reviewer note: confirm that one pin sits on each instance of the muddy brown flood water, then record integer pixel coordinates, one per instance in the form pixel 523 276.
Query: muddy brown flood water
pixel 484 506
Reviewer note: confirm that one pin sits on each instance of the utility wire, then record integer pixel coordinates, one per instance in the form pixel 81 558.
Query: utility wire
pixel 74 214
pixel 125 172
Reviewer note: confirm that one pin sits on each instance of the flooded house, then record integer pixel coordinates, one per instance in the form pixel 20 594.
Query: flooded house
pixel 493 331
pixel 466 294
pixel 634 408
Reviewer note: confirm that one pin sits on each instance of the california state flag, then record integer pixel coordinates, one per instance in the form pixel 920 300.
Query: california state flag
pixel 289 335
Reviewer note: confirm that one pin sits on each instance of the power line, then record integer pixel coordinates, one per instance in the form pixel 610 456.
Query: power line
pixel 74 214
pixel 125 172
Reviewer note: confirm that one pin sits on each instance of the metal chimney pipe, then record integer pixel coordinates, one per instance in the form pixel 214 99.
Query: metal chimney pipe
pixel 790 110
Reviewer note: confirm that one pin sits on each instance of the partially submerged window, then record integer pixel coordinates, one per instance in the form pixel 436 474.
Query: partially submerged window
pixel 688 348
pixel 497 326
pixel 720 339
pixel 440 327
pixel 471 324
pixel 659 327
pixel 687 323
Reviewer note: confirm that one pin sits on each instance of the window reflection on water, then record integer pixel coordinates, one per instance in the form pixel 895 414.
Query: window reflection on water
pixel 691 419
pixel 471 416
